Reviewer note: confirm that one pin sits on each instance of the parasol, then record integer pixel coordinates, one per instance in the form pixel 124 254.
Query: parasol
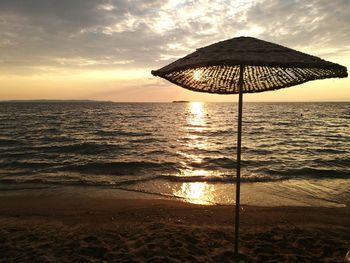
pixel 246 65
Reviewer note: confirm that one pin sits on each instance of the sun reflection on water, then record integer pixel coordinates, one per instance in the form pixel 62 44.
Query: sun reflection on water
pixel 195 192
pixel 198 172
pixel 195 125
pixel 196 116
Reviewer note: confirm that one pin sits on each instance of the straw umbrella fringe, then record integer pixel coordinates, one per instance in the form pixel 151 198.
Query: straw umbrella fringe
pixel 246 65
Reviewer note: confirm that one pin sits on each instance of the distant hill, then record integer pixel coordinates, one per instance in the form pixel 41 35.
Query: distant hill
pixel 180 101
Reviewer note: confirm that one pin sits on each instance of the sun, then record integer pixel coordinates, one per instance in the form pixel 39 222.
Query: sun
pixel 197 74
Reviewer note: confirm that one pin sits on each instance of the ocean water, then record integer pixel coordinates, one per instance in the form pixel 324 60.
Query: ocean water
pixel 290 151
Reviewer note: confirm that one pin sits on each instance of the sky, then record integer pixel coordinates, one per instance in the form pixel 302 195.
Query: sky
pixel 106 49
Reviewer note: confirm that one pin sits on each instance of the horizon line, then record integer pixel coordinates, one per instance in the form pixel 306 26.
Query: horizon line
pixel 183 101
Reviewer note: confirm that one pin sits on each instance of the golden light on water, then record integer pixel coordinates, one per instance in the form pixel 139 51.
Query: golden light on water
pixel 195 192
pixel 195 119
pixel 197 172
pixel 195 125
pixel 197 110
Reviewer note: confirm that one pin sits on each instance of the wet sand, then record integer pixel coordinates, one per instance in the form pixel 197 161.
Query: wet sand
pixel 58 228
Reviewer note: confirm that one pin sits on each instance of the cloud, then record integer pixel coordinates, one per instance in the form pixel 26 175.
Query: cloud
pixel 315 26
pixel 53 35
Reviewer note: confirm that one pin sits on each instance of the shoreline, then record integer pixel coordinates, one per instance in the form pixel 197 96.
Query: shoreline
pixel 87 227
pixel 291 192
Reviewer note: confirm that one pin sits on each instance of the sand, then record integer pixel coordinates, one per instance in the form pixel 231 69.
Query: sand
pixel 58 228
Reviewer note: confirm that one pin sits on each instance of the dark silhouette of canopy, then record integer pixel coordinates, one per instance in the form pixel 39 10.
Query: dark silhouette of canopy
pixel 267 66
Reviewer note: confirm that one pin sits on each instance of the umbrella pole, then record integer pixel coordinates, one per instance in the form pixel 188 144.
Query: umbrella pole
pixel 238 168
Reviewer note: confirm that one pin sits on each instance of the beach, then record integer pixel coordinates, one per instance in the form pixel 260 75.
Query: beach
pixel 100 226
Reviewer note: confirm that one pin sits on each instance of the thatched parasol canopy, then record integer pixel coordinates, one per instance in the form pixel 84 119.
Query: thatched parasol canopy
pixel 267 66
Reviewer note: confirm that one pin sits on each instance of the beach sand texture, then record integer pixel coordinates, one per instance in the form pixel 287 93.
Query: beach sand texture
pixel 104 229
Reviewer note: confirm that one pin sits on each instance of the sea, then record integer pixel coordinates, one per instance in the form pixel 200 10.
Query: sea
pixel 292 153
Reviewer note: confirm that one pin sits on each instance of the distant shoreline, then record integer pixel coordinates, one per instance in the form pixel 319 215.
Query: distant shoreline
pixel 180 101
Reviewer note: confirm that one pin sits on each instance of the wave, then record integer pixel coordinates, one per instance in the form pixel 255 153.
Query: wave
pixel 9 142
pixel 115 133
pixel 338 168
pixel 339 162
pixel 81 148
pixel 77 148
pixel 210 133
pixel 215 163
pixel 309 172
pixel 120 168
pixel 90 168
pixel 137 178
pixel 330 151
pixel 220 179
pixel 146 140
pixel 67 180
pixel 32 165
